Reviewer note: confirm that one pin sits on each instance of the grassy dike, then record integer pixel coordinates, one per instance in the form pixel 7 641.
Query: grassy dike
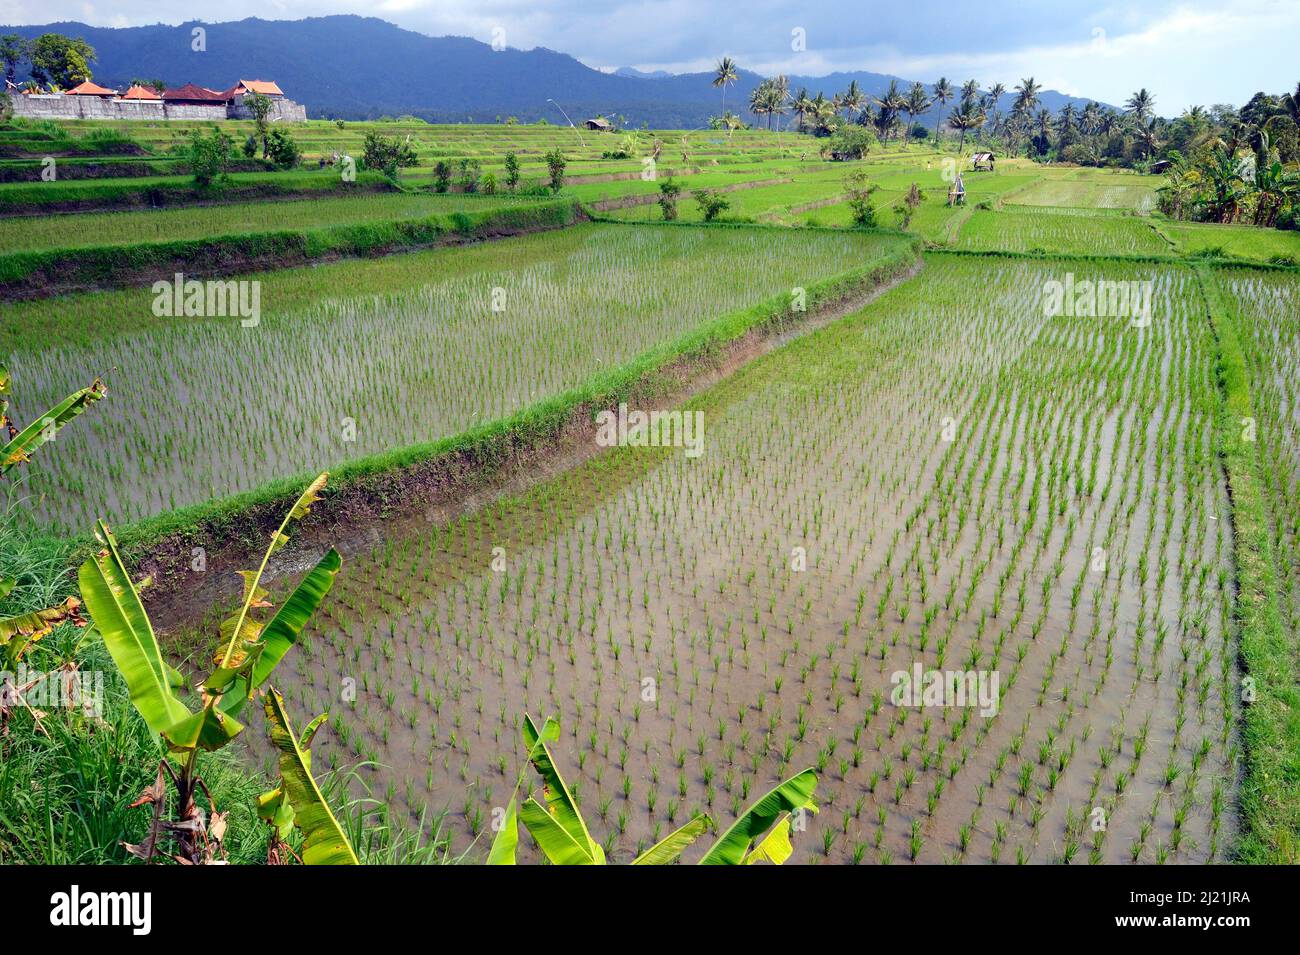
pixel 173 188
pixel 53 271
pixel 1270 789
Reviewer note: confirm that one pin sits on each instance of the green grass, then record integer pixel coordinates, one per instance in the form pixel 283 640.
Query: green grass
pixel 408 368
pixel 1025 231
pixel 1233 241
pixel 47 272
pixel 248 218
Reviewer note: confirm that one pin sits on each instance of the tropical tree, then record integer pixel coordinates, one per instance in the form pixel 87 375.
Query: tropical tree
pixel 724 75
pixel 250 649
pixel 888 106
pixel 61 60
pixel 966 117
pixel 1027 96
pixel 801 104
pixel 1140 105
pixel 852 100
pixel 917 103
pixel 1276 186
pixel 942 94
pixel 14 49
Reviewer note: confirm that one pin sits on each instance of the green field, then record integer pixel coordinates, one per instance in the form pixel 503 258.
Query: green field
pixel 357 376
pixel 908 453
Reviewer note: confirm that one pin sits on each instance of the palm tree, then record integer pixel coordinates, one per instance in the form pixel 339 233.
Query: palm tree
pixel 780 87
pixel 917 103
pixel 992 100
pixel 1027 95
pixel 969 90
pixel 1291 101
pixel 725 75
pixel 889 105
pixel 760 100
pixel 966 117
pixel 852 100
pixel 802 106
pixel 942 93
pixel 1140 104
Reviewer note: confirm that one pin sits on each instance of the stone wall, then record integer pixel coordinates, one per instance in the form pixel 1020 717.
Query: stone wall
pixel 282 111
pixel 58 106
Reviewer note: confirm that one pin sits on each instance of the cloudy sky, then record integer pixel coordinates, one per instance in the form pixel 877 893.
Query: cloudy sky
pixel 1186 51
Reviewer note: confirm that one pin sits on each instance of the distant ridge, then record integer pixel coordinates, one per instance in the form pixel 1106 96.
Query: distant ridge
pixel 356 67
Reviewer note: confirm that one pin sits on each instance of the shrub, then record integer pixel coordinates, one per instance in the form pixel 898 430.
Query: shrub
pixel 860 190
pixel 512 171
pixel 555 163
pixel 281 149
pixel 469 175
pixel 851 142
pixel 209 157
pixel 387 154
pixel 711 203
pixel 668 193
pixel 441 176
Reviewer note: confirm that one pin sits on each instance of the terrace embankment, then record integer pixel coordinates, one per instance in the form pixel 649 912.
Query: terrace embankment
pixel 645 199
pixel 26 275
pixel 462 473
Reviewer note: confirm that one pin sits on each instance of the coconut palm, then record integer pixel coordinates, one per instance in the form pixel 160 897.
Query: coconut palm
pixel 1140 105
pixel 802 106
pixel 916 104
pixel 967 116
pixel 889 106
pixel 852 100
pixel 724 75
pixel 1027 95
pixel 991 101
pixel 969 90
pixel 942 94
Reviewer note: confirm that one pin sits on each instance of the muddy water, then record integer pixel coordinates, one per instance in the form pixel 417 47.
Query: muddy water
pixel 947 479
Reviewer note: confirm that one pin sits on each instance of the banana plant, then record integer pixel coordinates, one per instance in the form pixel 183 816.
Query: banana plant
pixel 561 833
pixel 21 444
pixel 251 649
pixel 20 632
pixel 297 801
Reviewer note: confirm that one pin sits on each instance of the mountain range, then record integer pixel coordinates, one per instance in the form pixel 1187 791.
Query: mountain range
pixel 354 67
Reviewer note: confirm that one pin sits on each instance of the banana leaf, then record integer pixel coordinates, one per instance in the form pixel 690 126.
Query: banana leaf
pixel 278 636
pixel 790 796
pixel 576 845
pixel 44 428
pixel 240 627
pixel 323 840
pixel 776 847
pixel 20 632
pixel 506 840
pixel 119 616
pixel 668 849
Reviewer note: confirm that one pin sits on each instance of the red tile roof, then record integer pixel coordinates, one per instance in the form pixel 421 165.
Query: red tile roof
pixel 265 87
pixel 89 89
pixel 191 93
pixel 141 92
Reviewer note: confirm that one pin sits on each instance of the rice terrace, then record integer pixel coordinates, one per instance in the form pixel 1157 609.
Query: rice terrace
pixel 724 466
